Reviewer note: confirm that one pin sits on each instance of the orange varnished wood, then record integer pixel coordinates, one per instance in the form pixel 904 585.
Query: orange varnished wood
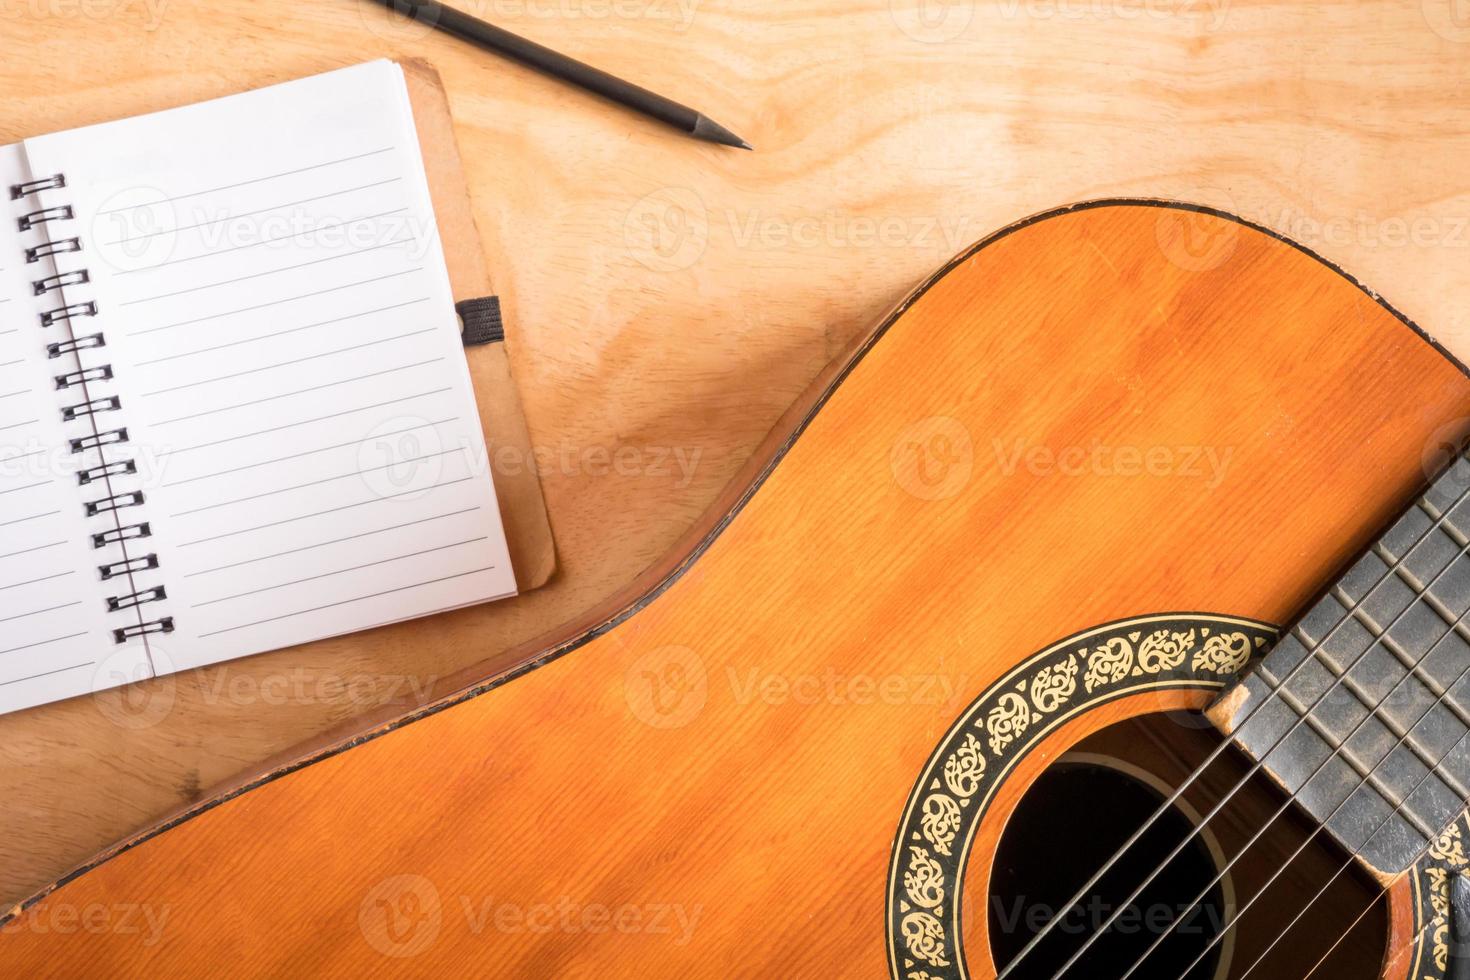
pixel 829 634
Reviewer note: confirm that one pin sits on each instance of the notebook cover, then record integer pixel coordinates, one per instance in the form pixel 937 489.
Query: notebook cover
pixel 522 508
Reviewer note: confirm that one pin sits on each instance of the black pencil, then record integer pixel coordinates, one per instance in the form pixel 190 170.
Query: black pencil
pixel 533 55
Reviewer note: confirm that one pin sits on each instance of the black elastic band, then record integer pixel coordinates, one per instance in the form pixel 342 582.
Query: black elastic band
pixel 482 320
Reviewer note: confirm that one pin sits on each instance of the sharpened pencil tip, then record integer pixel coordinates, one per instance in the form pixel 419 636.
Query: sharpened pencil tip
pixel 711 131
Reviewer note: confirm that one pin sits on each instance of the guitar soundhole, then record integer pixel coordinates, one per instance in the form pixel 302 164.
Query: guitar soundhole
pixel 1293 904
pixel 1075 817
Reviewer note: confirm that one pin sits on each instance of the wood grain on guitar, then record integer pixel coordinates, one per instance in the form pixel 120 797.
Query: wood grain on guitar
pixel 1094 425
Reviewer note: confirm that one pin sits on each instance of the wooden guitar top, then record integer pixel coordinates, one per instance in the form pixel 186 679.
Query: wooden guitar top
pixel 1114 411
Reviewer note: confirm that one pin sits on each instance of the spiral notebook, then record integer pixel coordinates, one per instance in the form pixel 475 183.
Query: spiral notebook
pixel 235 409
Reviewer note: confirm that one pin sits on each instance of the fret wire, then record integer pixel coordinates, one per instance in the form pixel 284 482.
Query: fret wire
pixel 1420 591
pixel 1041 934
pixel 1414 668
pixel 1381 638
pixel 1338 750
pixel 1393 567
pixel 1338 744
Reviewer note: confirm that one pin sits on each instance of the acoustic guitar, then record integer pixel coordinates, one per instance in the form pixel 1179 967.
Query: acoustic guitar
pixel 1101 615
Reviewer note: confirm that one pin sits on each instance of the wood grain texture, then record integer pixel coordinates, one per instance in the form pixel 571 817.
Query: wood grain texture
pixel 751 805
pixel 668 300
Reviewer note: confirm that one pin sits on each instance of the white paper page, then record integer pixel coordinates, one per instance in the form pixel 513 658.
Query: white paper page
pixel 55 631
pixel 282 330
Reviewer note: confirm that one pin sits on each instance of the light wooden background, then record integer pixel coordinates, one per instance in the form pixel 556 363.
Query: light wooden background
pixel 667 300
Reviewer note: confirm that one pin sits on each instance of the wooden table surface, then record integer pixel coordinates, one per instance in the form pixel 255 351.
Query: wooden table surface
pixel 667 299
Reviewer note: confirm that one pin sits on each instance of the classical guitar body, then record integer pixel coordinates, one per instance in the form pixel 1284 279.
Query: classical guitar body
pixel 922 674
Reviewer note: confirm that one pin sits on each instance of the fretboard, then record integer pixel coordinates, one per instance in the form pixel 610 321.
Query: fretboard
pixel 1362 711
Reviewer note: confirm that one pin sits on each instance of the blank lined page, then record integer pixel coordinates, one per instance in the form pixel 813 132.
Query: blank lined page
pixel 55 631
pixel 280 322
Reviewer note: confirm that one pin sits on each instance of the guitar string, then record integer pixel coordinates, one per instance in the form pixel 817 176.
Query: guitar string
pixel 1370 715
pixel 1429 771
pixel 1219 750
pixel 1297 918
pixel 1323 890
pixel 1414 940
pixel 1276 692
pixel 1260 832
pixel 1331 755
pixel 1322 824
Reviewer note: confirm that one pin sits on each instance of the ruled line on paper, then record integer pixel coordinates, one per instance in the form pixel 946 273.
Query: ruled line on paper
pixel 323 513
pixel 299 391
pixel 43 578
pixel 42 643
pixel 30 455
pixel 19 425
pixel 264 241
pixel 15 363
pixel 309 452
pixel 293 425
pixel 39 547
pixel 340 571
pixel 314 483
pixel 281 364
pixel 15 394
pixel 248 214
pixel 33 517
pixel 28 486
pixel 269 272
pixel 37 612
pixel 49 673
pixel 246 183
pixel 276 302
pixel 324 544
pixel 281 333
pixel 344 602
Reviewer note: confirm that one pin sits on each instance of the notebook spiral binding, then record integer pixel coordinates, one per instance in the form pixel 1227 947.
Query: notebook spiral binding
pixel 90 408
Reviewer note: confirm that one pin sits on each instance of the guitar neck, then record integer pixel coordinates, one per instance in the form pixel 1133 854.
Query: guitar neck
pixel 1362 711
